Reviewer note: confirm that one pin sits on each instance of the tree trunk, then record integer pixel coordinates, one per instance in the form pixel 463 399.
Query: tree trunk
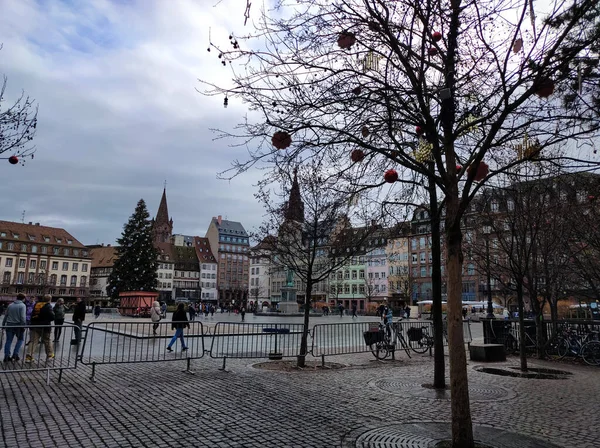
pixel 522 352
pixel 462 426
pixel 304 340
pixel 439 368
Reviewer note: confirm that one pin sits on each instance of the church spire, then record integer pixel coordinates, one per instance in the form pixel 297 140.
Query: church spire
pixel 295 207
pixel 163 226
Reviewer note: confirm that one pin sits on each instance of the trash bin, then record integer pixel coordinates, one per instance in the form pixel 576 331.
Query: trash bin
pixel 495 330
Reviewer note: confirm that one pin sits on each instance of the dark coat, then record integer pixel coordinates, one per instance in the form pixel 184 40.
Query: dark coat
pixel 44 316
pixel 180 320
pixel 79 312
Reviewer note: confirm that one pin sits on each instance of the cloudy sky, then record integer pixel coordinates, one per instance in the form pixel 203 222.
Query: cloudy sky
pixel 119 114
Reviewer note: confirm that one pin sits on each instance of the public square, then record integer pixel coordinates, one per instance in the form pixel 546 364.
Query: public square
pixel 362 403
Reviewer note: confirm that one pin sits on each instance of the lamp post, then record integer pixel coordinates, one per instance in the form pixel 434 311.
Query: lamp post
pixel 490 305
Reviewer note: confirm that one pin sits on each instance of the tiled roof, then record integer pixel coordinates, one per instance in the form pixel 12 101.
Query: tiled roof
pixel 103 256
pixel 165 249
pixel 34 233
pixel 230 227
pixel 203 250
pixel 184 254
pixel 268 243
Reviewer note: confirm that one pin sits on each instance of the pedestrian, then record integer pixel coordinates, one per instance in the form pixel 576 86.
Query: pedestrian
pixel 381 310
pixel 41 321
pixel 29 303
pixel 341 310
pixel 97 311
pixel 464 313
pixel 407 311
pixel 206 310
pixel 243 313
pixel 354 311
pixel 192 312
pixel 15 319
pixel 59 318
pixel 163 309
pixel 179 322
pixel 155 316
pixel 78 318
pixel 212 311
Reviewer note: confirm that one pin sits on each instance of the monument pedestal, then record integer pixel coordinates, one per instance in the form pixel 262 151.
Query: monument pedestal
pixel 288 302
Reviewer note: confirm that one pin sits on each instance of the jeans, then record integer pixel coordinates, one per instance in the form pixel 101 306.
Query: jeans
pixel 10 334
pixel 178 334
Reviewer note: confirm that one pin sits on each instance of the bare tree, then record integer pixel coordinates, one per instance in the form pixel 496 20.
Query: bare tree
pixel 18 123
pixel 381 89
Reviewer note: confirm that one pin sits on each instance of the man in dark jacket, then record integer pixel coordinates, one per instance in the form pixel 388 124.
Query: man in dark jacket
pixel 41 321
pixel 78 318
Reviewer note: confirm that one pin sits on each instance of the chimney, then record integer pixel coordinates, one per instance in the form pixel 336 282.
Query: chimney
pixel 108 245
pixel 30 223
pixel 37 223
pixel 219 219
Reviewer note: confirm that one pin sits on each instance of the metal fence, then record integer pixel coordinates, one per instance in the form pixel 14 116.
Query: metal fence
pixel 120 342
pixel 38 348
pixel 248 340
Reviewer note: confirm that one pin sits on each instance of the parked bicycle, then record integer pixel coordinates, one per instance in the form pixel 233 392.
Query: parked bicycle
pixel 383 340
pixel 568 342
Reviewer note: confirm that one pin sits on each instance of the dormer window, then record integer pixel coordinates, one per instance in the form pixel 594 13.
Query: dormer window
pixel 69 241
pixel 47 239
pixel 2 233
pixel 31 237
pixel 16 236
pixel 59 240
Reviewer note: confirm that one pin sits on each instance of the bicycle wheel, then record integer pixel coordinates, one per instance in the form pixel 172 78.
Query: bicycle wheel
pixel 380 349
pixel 418 340
pixel 557 348
pixel 590 352
pixel 510 344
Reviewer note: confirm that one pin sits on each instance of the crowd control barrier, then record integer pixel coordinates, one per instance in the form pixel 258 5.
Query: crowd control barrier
pixel 39 348
pixel 249 340
pixel 120 342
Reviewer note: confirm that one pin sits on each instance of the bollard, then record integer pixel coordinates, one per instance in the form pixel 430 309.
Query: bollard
pixel 60 375
pixel 323 361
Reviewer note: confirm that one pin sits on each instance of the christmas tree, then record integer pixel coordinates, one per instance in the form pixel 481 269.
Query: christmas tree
pixel 135 268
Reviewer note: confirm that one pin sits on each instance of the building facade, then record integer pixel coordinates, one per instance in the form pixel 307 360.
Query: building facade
pixel 208 270
pixel 37 260
pixel 103 260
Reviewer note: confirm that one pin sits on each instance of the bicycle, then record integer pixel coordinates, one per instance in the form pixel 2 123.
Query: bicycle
pixel 383 340
pixel 419 339
pixel 570 342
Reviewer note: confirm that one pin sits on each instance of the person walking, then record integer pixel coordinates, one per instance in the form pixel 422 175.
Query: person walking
pixel 354 311
pixel 15 316
pixel 97 310
pixel 59 318
pixel 78 318
pixel 243 313
pixel 179 322
pixel 41 321
pixel 341 310
pixel 192 312
pixel 163 310
pixel 407 311
pixel 155 316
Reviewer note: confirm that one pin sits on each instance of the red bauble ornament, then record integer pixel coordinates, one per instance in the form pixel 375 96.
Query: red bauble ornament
pixel 281 140
pixel 13 160
pixel 437 36
pixel 482 171
pixel 357 155
pixel 591 198
pixel 419 130
pixel 545 88
pixel 390 176
pixel 365 131
pixel 458 167
pixel 346 39
pixel 432 51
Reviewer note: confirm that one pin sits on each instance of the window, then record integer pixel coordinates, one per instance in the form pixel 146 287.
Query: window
pixel 361 274
pixel 376 274
pixel 413 243
pixel 423 257
pixel 55 265
pixel 69 241
pixel 83 281
pixel 47 239
pixel 10 246
pixel 24 247
pixel 346 289
pixel 55 250
pixel 76 252
pixel 494 206
pixel 422 242
pixel 354 275
pixel 354 289
pixel 32 264
pixel 347 275
pixel 65 266
pixel 8 263
pixel 423 271
pixel 84 267
pixel 75 266
pixel 383 275
pixel 31 278
pixel 67 251
pixel 44 249
pixel 414 258
pixel 63 280
pixel 16 236
pixel 43 264
pixel 6 278
pixel 20 278
pixel 471 269
pixel 73 280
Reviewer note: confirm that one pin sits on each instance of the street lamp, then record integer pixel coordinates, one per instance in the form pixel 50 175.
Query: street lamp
pixel 490 305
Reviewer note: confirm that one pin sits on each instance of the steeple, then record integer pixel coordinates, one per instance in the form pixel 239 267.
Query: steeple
pixel 295 207
pixel 163 226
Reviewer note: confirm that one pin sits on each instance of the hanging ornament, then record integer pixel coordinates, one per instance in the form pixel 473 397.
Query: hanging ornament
pixel 374 26
pixel 357 155
pixel 432 51
pixel 544 88
pixel 437 36
pixel 225 102
pixel 424 151
pixel 395 154
pixel 419 130
pixel 13 160
pixel 482 171
pixel 281 140
pixel 357 90
pixel 365 131
pixel 458 167
pixel 390 176
pixel 518 45
pixel 346 39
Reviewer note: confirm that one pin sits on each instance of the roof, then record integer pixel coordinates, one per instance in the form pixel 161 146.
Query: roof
pixel 35 233
pixel 203 250
pixel 162 216
pixel 165 249
pixel 103 256
pixel 184 254
pixel 268 243
pixel 230 227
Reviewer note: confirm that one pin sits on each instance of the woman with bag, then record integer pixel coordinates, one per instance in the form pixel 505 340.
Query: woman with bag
pixel 155 315
pixel 179 322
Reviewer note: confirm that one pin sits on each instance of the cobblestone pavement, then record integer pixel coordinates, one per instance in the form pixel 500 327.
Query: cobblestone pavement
pixel 156 404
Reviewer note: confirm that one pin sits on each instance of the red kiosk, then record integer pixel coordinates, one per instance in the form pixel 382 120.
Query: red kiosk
pixel 136 303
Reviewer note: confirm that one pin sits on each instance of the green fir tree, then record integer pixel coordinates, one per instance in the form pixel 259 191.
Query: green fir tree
pixel 135 268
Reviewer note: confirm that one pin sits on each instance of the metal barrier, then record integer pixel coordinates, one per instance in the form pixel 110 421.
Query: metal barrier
pixel 36 348
pixel 121 342
pixel 248 340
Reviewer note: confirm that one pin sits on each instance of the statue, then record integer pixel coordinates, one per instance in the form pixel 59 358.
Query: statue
pixel 289 278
